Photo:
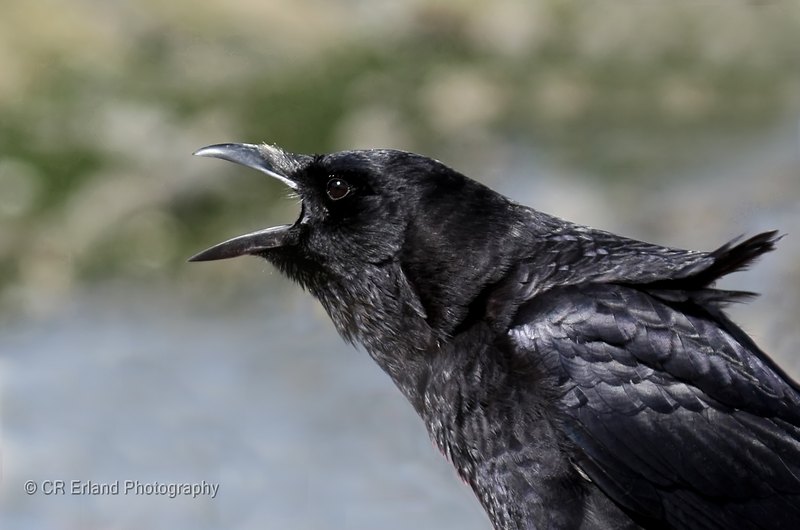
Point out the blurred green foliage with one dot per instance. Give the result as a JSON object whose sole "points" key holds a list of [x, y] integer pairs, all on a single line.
{"points": [[102, 103]]}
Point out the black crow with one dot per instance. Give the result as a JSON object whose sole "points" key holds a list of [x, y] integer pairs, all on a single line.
{"points": [[574, 378]]}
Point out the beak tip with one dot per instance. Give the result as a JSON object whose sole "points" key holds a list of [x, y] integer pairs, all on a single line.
{"points": [[223, 151], [217, 252], [200, 256]]}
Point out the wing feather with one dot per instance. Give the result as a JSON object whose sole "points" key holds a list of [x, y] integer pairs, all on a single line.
{"points": [[674, 417]]}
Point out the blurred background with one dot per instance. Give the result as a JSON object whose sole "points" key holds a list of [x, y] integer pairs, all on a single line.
{"points": [[676, 122]]}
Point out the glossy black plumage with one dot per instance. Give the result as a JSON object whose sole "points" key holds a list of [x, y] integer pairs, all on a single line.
{"points": [[574, 378]]}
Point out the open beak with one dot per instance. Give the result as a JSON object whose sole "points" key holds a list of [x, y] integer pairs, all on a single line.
{"points": [[275, 163]]}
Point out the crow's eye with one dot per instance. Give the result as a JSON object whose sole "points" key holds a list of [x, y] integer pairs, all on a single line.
{"points": [[338, 189]]}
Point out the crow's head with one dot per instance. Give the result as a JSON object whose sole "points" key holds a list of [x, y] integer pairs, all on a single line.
{"points": [[377, 226]]}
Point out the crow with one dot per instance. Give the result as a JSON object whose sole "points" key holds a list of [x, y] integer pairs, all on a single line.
{"points": [[573, 377]]}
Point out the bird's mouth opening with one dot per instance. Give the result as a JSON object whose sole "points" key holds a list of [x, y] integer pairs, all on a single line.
{"points": [[275, 163]]}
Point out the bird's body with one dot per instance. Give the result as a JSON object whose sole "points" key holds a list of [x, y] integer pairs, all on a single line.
{"points": [[574, 378]]}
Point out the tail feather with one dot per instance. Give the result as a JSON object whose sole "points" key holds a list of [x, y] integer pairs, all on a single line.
{"points": [[734, 256]]}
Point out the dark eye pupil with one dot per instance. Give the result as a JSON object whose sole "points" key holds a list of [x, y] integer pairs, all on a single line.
{"points": [[338, 189]]}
